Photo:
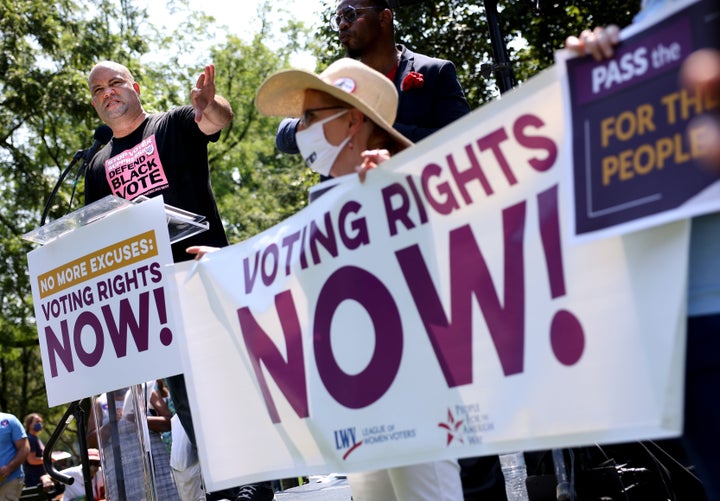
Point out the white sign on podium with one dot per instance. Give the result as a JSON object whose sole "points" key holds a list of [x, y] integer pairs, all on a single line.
{"points": [[102, 302]]}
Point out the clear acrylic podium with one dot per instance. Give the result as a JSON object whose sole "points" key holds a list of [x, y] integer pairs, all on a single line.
{"points": [[181, 223], [124, 441], [134, 459]]}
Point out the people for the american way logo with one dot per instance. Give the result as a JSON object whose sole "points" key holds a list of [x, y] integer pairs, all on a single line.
{"points": [[466, 423], [452, 428]]}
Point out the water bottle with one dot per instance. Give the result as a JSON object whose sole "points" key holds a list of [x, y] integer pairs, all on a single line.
{"points": [[515, 473]]}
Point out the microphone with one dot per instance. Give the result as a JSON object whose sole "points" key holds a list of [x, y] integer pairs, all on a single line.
{"points": [[103, 134]]}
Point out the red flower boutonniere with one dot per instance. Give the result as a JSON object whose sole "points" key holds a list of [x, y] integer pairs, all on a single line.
{"points": [[413, 80]]}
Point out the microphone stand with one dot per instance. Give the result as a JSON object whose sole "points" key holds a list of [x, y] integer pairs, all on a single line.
{"points": [[79, 173], [78, 155]]}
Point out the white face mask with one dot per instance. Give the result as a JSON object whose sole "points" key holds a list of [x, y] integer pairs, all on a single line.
{"points": [[318, 153]]}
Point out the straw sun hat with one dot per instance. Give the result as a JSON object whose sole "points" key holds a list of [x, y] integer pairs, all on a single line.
{"points": [[348, 80]]}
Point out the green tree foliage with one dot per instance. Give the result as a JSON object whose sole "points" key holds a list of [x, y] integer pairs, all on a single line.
{"points": [[256, 186], [546, 27], [458, 30]]}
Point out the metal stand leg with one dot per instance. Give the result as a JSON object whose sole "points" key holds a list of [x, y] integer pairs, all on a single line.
{"points": [[74, 411]]}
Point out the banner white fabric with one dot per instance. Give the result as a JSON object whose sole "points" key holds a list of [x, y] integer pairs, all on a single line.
{"points": [[434, 311], [103, 316]]}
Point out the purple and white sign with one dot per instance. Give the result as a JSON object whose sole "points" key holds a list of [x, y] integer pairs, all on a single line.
{"points": [[634, 141]]}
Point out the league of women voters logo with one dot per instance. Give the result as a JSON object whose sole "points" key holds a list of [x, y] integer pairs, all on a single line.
{"points": [[348, 440], [466, 424]]}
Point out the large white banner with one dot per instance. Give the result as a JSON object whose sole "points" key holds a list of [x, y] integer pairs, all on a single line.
{"points": [[102, 310], [435, 311]]}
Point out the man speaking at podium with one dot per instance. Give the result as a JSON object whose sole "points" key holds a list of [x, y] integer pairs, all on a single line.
{"points": [[159, 154]]}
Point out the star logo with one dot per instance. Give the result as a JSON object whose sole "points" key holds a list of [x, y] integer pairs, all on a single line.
{"points": [[452, 428]]}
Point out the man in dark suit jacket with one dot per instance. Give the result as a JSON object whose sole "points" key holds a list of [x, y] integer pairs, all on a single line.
{"points": [[430, 96]]}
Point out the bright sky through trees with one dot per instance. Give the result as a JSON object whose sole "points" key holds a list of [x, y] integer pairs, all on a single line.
{"points": [[241, 18]]}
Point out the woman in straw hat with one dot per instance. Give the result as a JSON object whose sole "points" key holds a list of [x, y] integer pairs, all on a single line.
{"points": [[347, 112]]}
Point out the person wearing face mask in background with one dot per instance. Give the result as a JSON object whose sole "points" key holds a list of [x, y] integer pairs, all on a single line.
{"points": [[33, 466]]}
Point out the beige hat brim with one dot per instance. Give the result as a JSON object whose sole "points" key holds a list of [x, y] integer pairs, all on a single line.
{"points": [[283, 95]]}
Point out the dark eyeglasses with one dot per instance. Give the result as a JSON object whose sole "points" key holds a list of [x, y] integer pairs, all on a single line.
{"points": [[308, 116], [350, 15]]}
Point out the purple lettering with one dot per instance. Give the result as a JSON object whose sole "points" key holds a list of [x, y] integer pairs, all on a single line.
{"points": [[358, 390], [138, 327], [290, 375], [474, 172], [535, 142], [492, 142], [288, 243], [269, 272], [326, 240], [470, 276], [450, 203], [91, 358], [57, 348], [250, 276], [399, 213], [359, 227], [416, 195]]}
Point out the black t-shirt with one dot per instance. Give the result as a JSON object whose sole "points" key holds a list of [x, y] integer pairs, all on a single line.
{"points": [[166, 155]]}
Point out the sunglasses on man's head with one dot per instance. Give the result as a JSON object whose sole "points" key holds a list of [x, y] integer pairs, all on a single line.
{"points": [[349, 14]]}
